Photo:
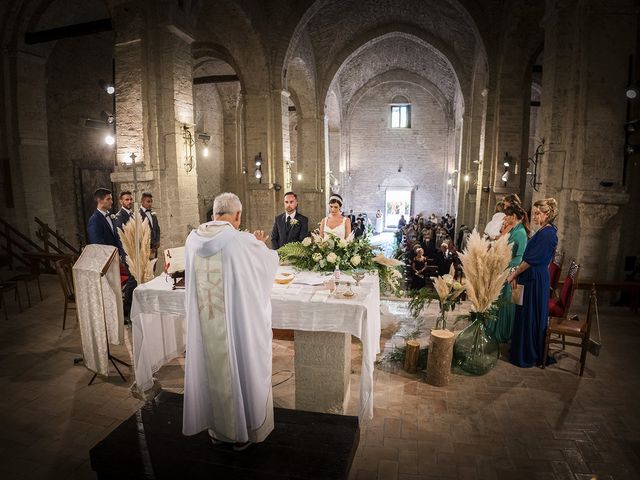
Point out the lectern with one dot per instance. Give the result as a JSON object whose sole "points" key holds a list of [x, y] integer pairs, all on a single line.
{"points": [[96, 276]]}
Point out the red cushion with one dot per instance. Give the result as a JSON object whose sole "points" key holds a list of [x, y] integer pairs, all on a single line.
{"points": [[555, 308], [554, 275], [566, 294]]}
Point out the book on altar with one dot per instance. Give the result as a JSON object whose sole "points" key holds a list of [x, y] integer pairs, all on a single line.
{"points": [[174, 260]]}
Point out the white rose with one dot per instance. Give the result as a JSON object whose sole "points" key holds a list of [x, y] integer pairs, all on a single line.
{"points": [[307, 241], [332, 257], [331, 243], [343, 242], [448, 278], [355, 260], [322, 263], [316, 257]]}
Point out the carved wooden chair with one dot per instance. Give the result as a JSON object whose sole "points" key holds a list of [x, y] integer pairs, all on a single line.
{"points": [[555, 268], [64, 269], [575, 327]]}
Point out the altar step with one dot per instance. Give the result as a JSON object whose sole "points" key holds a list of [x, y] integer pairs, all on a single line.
{"points": [[150, 445]]}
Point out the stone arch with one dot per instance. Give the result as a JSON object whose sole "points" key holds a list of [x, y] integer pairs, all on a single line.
{"points": [[365, 39], [403, 76]]}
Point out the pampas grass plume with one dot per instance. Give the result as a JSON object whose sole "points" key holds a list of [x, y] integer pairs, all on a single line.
{"points": [[139, 265], [485, 269]]}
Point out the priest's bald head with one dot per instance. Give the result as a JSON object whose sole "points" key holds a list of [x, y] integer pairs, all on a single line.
{"points": [[228, 208]]}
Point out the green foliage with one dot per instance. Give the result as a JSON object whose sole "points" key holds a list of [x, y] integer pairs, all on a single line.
{"points": [[420, 299], [323, 255]]}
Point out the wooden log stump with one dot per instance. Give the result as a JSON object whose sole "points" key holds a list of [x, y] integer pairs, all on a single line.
{"points": [[439, 359], [412, 353]]}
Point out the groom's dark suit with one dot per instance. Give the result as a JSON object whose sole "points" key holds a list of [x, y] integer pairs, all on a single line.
{"points": [[99, 231], [282, 233]]}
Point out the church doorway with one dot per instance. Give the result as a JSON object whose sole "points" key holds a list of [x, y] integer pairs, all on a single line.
{"points": [[398, 202]]}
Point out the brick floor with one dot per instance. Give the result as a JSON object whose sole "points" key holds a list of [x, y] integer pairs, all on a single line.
{"points": [[509, 424]]}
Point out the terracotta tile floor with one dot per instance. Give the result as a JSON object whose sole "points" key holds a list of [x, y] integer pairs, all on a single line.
{"points": [[511, 423]]}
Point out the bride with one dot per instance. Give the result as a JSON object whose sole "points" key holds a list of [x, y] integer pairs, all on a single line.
{"points": [[335, 223]]}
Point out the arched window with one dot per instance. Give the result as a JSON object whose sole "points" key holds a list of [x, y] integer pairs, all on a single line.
{"points": [[400, 112]]}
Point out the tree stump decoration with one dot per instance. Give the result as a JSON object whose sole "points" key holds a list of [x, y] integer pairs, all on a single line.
{"points": [[439, 359], [411, 356]]}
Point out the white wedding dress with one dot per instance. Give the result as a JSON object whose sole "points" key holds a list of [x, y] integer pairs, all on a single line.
{"points": [[340, 231]]}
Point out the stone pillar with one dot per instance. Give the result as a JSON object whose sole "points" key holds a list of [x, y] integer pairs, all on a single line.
{"points": [[30, 157], [323, 370], [587, 48], [311, 163], [259, 131], [598, 233]]}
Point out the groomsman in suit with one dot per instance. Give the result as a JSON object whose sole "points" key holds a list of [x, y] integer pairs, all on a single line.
{"points": [[126, 209], [101, 226], [145, 211], [289, 226]]}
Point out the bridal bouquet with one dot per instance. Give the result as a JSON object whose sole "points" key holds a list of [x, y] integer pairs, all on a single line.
{"points": [[323, 255]]}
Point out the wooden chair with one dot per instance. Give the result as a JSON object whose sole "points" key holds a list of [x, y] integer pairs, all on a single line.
{"points": [[572, 327], [65, 275], [26, 278], [559, 308], [7, 287], [555, 268]]}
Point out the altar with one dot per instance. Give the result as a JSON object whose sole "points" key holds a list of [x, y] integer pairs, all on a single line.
{"points": [[159, 330]]}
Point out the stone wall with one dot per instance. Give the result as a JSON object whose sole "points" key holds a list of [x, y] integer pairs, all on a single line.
{"points": [[74, 70], [377, 151]]}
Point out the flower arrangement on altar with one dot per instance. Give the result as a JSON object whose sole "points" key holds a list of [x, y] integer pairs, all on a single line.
{"points": [[323, 255]]}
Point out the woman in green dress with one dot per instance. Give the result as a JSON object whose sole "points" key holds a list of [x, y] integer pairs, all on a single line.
{"points": [[514, 226]]}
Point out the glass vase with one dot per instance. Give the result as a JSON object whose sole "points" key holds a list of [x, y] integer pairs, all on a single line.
{"points": [[441, 322], [476, 351]]}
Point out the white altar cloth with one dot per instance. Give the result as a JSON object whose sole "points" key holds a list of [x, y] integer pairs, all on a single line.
{"points": [[159, 328]]}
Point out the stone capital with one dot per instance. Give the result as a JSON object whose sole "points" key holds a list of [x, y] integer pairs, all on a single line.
{"points": [[593, 215], [599, 197]]}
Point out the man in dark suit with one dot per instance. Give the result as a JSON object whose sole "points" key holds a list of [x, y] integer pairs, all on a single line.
{"points": [[146, 203], [101, 227], [126, 209], [289, 226], [102, 230]]}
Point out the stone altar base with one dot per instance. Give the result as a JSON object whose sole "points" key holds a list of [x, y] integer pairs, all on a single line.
{"points": [[150, 445], [323, 370]]}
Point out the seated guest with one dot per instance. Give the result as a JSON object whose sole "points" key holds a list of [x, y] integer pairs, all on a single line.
{"points": [[418, 267], [443, 258], [402, 222]]}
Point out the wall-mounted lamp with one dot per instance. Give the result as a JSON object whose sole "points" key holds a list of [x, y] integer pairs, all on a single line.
{"points": [[258, 170], [187, 138], [107, 87], [205, 137], [632, 91], [534, 161], [466, 177], [299, 176]]}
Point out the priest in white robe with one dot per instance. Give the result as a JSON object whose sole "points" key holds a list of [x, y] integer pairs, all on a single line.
{"points": [[228, 278]]}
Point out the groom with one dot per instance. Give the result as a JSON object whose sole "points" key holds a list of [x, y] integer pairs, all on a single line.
{"points": [[289, 226]]}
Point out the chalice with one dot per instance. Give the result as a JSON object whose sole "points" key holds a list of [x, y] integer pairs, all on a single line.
{"points": [[358, 274]]}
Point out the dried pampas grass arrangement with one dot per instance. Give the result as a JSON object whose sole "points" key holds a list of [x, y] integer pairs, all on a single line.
{"points": [[485, 270], [138, 261]]}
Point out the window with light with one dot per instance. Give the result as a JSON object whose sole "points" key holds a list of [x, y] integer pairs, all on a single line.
{"points": [[400, 112]]}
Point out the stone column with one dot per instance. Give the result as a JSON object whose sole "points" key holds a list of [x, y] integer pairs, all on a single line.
{"points": [[31, 179], [311, 162], [587, 48], [598, 233], [259, 133]]}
